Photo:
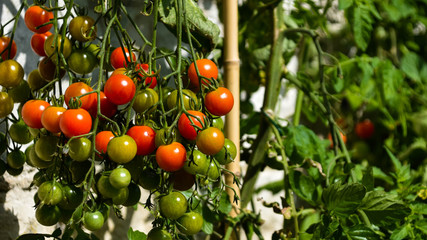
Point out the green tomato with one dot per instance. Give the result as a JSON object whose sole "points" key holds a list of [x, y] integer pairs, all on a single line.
{"points": [[16, 159], [6, 104], [122, 149], [48, 215], [35, 160], [105, 188], [20, 93], [145, 100], [190, 100], [20, 133], [93, 220], [190, 223], [72, 197], [82, 61], [158, 234], [173, 205], [50, 193], [121, 198], [149, 179], [46, 147], [228, 153], [214, 171], [196, 163], [80, 149], [120, 178]]}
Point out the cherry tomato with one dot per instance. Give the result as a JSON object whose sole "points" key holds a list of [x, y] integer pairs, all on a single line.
{"points": [[72, 197], [82, 28], [365, 129], [213, 170], [118, 58], [4, 51], [197, 163], [102, 139], [35, 16], [144, 137], [48, 215], [120, 89], [37, 43], [20, 133], [158, 234], [50, 118], [171, 157], [122, 149], [35, 160], [32, 112], [190, 100], [16, 159], [82, 61], [46, 147], [173, 205], [77, 89], [75, 122], [62, 45], [186, 128], [11, 73], [218, 123], [105, 188], [6, 104], [20, 93], [228, 153], [134, 195], [50, 193], [207, 69], [210, 141], [121, 198], [149, 179], [48, 70], [80, 149], [120, 178], [93, 220], [343, 137], [35, 80], [108, 108], [190, 223], [145, 100], [142, 68], [219, 102]]}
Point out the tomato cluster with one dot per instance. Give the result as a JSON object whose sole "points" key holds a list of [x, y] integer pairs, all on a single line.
{"points": [[129, 122]]}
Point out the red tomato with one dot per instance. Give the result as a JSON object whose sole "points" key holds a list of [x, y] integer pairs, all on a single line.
{"points": [[151, 82], [144, 137], [210, 141], [32, 113], [108, 108], [50, 118], [365, 129], [37, 42], [219, 102], [120, 89], [118, 58], [207, 69], [36, 16], [75, 122], [186, 128], [102, 139], [4, 44], [77, 89], [171, 157], [344, 138]]}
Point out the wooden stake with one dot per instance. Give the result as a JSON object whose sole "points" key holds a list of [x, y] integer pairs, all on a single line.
{"points": [[232, 80]]}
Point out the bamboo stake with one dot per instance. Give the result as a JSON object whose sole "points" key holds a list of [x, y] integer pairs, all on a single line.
{"points": [[231, 79]]}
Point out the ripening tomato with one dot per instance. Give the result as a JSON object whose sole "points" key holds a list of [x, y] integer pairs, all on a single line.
{"points": [[5, 51], [35, 16], [190, 99], [120, 56], [173, 205], [145, 100], [75, 122], [142, 68], [62, 45], [82, 28], [6, 104], [122, 149], [207, 69], [120, 89], [144, 137], [32, 112], [77, 89], [365, 129], [343, 137], [37, 42], [219, 102], [186, 128], [11, 73], [102, 139], [108, 108], [50, 118], [48, 70], [171, 157], [210, 141]]}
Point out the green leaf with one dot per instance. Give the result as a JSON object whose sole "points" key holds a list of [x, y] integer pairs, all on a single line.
{"points": [[224, 204], [368, 179], [273, 187], [250, 125], [344, 4], [403, 172], [422, 225], [204, 31], [400, 232], [410, 66], [136, 235], [209, 218], [362, 26], [361, 232], [32, 236], [343, 200], [303, 186], [419, 208], [383, 209]]}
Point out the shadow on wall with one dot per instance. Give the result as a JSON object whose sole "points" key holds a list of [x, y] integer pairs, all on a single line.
{"points": [[9, 224]]}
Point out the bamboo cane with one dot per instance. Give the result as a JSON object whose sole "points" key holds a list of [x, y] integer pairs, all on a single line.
{"points": [[231, 79]]}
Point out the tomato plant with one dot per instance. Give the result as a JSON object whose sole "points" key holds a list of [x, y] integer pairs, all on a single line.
{"points": [[36, 19], [7, 49], [119, 89], [171, 157]]}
